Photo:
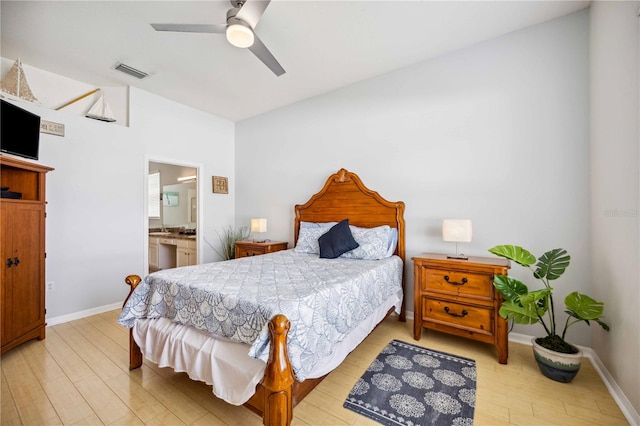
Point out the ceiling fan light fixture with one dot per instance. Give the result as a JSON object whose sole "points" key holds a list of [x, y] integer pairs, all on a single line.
{"points": [[240, 35]]}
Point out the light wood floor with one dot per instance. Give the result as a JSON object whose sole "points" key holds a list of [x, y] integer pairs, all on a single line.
{"points": [[79, 375]]}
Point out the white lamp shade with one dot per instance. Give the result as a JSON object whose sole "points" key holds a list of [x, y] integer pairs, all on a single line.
{"points": [[259, 225], [458, 230]]}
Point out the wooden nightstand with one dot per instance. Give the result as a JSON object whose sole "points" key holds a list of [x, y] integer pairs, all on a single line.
{"points": [[252, 248], [457, 297]]}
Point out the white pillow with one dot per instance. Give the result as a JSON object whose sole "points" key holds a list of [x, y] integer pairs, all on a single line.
{"points": [[375, 243], [393, 242], [326, 225], [309, 234]]}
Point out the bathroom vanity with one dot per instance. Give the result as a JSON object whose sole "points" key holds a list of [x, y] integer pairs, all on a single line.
{"points": [[171, 250]]}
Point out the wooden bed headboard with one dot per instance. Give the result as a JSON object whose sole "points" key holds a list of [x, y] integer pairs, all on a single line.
{"points": [[344, 196]]}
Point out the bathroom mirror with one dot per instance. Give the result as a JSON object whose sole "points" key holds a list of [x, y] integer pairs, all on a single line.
{"points": [[178, 198], [177, 202]]}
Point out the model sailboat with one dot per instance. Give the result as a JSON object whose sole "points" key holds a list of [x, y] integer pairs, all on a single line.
{"points": [[101, 111], [14, 84]]}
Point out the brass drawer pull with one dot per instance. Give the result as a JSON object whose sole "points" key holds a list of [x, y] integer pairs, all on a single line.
{"points": [[453, 314], [463, 282]]}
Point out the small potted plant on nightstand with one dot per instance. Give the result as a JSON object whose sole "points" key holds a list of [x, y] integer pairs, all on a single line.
{"points": [[557, 359], [228, 240]]}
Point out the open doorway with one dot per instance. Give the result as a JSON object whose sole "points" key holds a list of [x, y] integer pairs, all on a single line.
{"points": [[172, 205]]}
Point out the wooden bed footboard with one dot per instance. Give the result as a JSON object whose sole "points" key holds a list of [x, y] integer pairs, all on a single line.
{"points": [[274, 398]]}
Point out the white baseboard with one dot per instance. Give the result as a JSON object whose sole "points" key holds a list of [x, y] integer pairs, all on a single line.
{"points": [[82, 314], [617, 394], [627, 409]]}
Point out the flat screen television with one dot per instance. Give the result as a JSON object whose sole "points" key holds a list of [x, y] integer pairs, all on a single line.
{"points": [[19, 131]]}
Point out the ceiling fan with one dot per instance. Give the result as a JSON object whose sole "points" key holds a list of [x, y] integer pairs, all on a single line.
{"points": [[242, 19]]}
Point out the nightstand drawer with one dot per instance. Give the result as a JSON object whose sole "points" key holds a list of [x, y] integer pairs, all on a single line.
{"points": [[468, 317], [458, 283], [255, 248], [251, 251]]}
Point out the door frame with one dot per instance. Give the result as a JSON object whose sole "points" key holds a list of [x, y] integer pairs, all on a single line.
{"points": [[200, 192]]}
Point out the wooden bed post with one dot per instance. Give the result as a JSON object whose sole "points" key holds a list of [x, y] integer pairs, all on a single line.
{"points": [[135, 355], [278, 377]]}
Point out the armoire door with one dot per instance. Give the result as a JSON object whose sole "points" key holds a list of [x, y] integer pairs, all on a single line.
{"points": [[26, 246], [5, 284]]}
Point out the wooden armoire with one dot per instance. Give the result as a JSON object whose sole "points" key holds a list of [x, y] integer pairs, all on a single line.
{"points": [[22, 235]]}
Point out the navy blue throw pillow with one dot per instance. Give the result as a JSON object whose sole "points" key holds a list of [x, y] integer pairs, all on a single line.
{"points": [[336, 241]]}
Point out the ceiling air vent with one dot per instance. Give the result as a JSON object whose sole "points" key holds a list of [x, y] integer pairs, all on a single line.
{"points": [[130, 70]]}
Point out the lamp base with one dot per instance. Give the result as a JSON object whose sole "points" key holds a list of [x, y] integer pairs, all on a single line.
{"points": [[457, 256]]}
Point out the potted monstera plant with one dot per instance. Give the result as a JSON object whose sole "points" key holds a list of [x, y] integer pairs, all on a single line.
{"points": [[557, 359]]}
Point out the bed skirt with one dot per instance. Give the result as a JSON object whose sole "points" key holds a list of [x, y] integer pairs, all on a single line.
{"points": [[224, 364]]}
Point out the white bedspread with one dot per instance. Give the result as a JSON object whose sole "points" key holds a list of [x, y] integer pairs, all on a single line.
{"points": [[225, 365], [325, 300]]}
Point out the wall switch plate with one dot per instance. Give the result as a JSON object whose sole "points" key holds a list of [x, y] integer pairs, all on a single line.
{"points": [[51, 286]]}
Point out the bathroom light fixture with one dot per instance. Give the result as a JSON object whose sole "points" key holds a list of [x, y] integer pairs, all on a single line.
{"points": [[459, 231], [240, 34], [259, 226], [183, 178]]}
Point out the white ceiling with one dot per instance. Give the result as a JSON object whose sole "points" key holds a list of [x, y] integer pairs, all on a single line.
{"points": [[323, 45]]}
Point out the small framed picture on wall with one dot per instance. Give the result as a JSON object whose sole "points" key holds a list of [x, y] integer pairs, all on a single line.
{"points": [[220, 185]]}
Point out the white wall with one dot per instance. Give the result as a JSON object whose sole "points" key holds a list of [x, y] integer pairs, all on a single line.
{"points": [[95, 213], [54, 91], [171, 131], [615, 187], [496, 133]]}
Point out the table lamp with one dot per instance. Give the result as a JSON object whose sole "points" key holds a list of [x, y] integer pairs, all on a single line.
{"points": [[259, 226], [459, 231]]}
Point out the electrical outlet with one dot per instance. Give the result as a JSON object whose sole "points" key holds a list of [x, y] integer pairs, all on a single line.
{"points": [[51, 286]]}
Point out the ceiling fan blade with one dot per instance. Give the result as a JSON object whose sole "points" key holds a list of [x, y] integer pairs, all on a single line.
{"points": [[191, 28], [252, 11], [260, 50]]}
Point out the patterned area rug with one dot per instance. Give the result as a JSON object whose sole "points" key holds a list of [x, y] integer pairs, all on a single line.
{"points": [[412, 385]]}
